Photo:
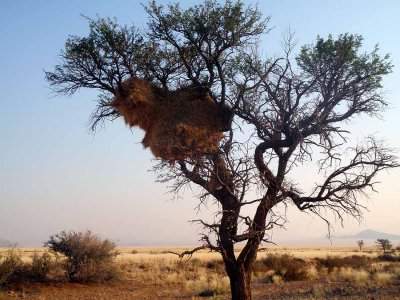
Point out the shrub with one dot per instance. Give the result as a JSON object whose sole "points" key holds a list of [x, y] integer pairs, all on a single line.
{"points": [[333, 262], [287, 266], [12, 268], [207, 293], [215, 265], [88, 258], [312, 272], [41, 266], [388, 257]]}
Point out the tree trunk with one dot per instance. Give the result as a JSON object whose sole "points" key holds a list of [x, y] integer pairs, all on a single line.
{"points": [[240, 284]]}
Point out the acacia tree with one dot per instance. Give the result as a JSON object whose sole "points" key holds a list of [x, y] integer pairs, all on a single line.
{"points": [[286, 113], [384, 244], [360, 244]]}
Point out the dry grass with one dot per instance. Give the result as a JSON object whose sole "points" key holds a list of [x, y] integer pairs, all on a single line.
{"points": [[154, 273], [359, 277], [331, 263], [382, 278], [276, 279], [144, 253], [209, 283]]}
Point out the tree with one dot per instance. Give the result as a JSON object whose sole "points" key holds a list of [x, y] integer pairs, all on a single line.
{"points": [[383, 244], [286, 113], [360, 244]]}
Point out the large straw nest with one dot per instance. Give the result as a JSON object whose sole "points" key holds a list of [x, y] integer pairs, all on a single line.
{"points": [[177, 124]]}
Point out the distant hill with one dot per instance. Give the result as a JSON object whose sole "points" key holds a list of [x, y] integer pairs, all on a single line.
{"points": [[371, 234], [4, 243]]}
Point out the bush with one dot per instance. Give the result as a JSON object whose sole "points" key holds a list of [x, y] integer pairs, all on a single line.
{"points": [[287, 266], [216, 265], [336, 262], [41, 266], [388, 257], [12, 268], [88, 258], [207, 293]]}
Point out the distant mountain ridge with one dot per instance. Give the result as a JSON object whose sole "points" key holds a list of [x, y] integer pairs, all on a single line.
{"points": [[4, 243], [371, 234]]}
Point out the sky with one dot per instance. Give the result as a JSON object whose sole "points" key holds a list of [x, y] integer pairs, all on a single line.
{"points": [[56, 175]]}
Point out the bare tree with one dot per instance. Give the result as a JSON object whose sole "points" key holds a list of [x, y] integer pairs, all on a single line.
{"points": [[384, 244], [286, 113], [360, 244]]}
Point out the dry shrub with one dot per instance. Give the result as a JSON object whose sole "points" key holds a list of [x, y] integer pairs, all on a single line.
{"points": [[335, 262], [287, 266], [388, 257], [260, 267], [12, 268], [312, 272], [178, 124], [88, 258], [216, 265], [41, 266]]}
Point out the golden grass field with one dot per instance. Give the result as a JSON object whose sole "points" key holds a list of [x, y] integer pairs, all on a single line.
{"points": [[154, 273], [149, 253]]}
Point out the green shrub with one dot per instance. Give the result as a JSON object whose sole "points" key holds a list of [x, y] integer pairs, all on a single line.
{"points": [[88, 258]]}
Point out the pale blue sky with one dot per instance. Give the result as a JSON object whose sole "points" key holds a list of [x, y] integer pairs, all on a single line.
{"points": [[55, 175]]}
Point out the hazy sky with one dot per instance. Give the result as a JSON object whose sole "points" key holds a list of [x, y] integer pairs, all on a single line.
{"points": [[55, 175]]}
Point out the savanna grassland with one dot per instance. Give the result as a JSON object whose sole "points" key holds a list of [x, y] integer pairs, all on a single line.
{"points": [[280, 273]]}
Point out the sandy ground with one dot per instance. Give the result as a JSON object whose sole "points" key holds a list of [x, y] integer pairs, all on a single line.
{"points": [[142, 279]]}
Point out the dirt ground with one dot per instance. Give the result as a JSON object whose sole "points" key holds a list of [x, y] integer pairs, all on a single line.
{"points": [[317, 289]]}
